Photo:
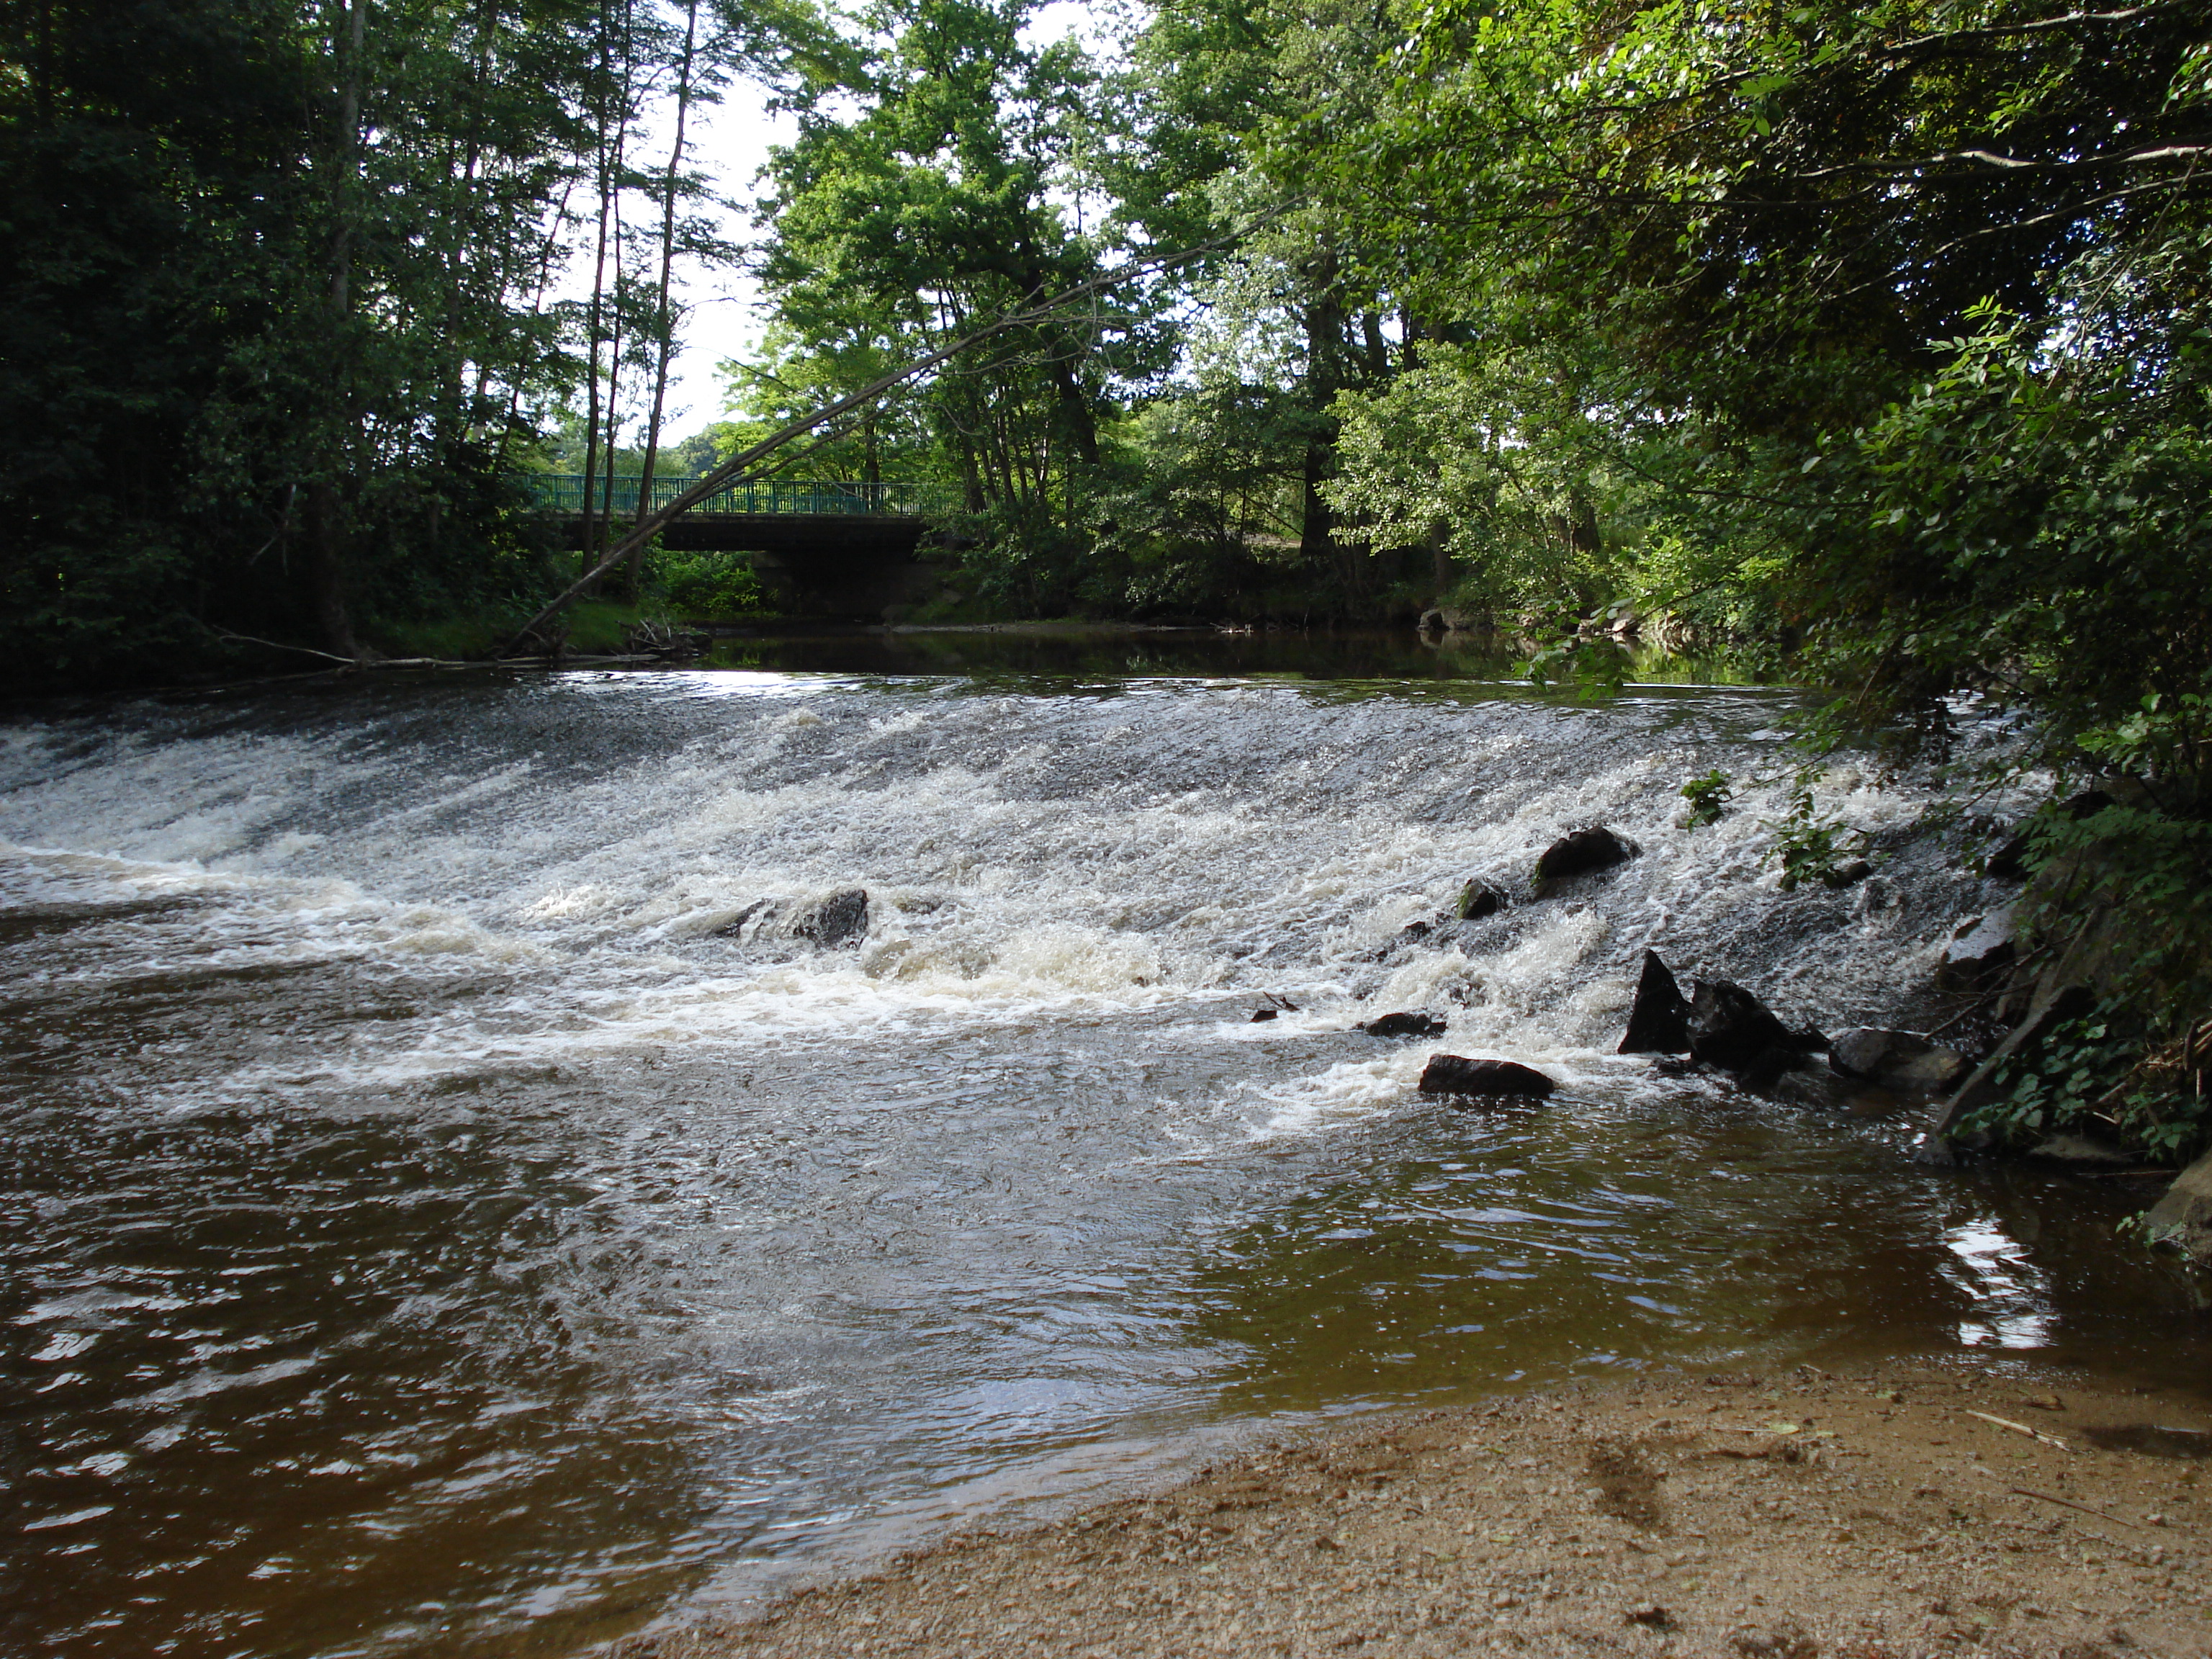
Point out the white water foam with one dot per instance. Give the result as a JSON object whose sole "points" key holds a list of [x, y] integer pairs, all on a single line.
{"points": [[1025, 857]]}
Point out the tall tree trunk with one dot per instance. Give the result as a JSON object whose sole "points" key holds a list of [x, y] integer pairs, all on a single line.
{"points": [[603, 140], [663, 323], [1077, 420], [614, 330], [453, 418], [546, 250], [1324, 321], [327, 528]]}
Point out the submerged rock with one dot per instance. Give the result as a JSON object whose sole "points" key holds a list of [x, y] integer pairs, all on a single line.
{"points": [[1733, 1030], [735, 927], [1478, 899], [840, 919], [1659, 1020], [1404, 1025], [2182, 1218], [1451, 1074], [1580, 851], [1259, 1014], [2094, 1151], [1895, 1060]]}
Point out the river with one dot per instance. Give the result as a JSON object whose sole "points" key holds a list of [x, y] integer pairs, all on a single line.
{"points": [[426, 1227]]}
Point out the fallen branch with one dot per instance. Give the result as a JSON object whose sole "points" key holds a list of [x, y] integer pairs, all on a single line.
{"points": [[348, 662], [2022, 1428], [2068, 1503], [304, 650]]}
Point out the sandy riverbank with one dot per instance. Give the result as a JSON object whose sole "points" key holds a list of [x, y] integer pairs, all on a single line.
{"points": [[1786, 1516]]}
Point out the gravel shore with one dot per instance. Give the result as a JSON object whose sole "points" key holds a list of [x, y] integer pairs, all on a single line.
{"points": [[1872, 1515]]}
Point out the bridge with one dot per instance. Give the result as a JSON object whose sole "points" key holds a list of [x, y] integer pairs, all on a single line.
{"points": [[784, 518], [828, 550]]}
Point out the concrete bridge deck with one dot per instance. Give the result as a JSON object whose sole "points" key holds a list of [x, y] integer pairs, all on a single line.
{"points": [[784, 518], [839, 549]]}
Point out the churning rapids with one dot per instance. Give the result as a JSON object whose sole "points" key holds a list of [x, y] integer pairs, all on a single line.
{"points": [[423, 1229]]}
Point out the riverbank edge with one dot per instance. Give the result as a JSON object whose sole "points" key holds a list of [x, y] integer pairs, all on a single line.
{"points": [[1886, 1512]]}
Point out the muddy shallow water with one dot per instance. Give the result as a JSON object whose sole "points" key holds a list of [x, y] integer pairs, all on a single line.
{"points": [[425, 1229]]}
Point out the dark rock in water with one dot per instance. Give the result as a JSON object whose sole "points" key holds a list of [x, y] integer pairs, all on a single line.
{"points": [[1478, 899], [841, 917], [1659, 1021], [1449, 1074], [1580, 851], [1764, 1070], [1404, 1025], [1732, 1029], [1978, 954], [1895, 1060], [735, 927], [1410, 934], [1259, 1014], [2009, 861], [1847, 875]]}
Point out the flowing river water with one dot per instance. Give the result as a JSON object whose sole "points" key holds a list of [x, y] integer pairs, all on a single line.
{"points": [[426, 1227]]}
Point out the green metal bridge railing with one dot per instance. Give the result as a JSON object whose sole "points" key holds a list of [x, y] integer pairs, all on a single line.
{"points": [[566, 492]]}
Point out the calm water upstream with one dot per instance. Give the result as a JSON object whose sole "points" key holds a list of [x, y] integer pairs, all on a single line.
{"points": [[424, 1229]]}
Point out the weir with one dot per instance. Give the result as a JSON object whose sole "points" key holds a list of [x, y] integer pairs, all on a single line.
{"points": [[462, 1194]]}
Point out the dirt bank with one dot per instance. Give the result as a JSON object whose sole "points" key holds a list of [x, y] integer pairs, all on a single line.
{"points": [[1861, 1516]]}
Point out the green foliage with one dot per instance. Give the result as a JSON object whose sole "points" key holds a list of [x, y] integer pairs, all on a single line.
{"points": [[275, 312], [1708, 797], [1492, 458], [1811, 846], [1593, 667], [709, 587], [2091, 1073]]}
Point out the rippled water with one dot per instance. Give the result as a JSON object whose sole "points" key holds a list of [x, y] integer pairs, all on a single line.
{"points": [[424, 1229]]}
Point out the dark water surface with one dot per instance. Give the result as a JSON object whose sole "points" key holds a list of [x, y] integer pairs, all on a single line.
{"points": [[425, 1229]]}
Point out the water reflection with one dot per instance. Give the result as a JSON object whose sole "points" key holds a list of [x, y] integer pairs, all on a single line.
{"points": [[2011, 1300], [1588, 1236]]}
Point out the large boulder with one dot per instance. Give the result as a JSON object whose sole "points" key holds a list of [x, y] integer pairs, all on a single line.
{"points": [[2182, 1218], [1451, 1074], [1449, 618], [1978, 954], [1731, 1028], [1659, 1020], [1579, 852], [1902, 1060], [840, 919]]}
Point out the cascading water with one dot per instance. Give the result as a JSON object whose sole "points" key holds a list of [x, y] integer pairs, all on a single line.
{"points": [[449, 1207]]}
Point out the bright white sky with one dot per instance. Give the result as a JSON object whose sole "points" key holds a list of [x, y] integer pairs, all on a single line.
{"points": [[731, 144]]}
